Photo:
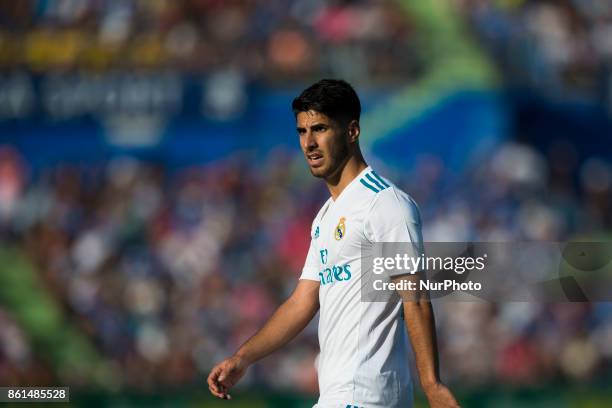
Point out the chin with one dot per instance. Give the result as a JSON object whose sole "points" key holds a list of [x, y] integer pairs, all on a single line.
{"points": [[323, 172], [318, 172]]}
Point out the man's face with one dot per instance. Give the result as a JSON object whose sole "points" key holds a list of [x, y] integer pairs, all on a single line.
{"points": [[324, 142]]}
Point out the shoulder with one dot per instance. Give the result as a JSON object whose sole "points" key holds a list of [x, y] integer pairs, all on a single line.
{"points": [[393, 204], [384, 199], [371, 184], [392, 215]]}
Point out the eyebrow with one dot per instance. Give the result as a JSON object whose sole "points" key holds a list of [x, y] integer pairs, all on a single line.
{"points": [[312, 126]]}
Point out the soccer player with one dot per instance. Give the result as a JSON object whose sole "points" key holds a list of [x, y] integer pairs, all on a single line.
{"points": [[363, 360]]}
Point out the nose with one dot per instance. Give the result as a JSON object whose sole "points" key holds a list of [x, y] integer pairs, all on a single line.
{"points": [[309, 141]]}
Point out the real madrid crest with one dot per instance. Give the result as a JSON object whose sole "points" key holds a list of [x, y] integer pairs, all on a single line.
{"points": [[340, 229]]}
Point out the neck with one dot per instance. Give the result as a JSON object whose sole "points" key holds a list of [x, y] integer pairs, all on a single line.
{"points": [[346, 173]]}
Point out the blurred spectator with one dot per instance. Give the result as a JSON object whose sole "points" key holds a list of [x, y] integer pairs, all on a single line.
{"points": [[562, 47]]}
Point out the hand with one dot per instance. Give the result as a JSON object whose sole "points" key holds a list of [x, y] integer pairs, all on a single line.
{"points": [[439, 396], [225, 375]]}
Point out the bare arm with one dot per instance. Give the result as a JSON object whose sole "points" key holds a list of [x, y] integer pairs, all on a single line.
{"points": [[286, 322], [421, 326]]}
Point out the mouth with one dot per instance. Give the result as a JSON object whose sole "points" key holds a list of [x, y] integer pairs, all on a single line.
{"points": [[314, 159]]}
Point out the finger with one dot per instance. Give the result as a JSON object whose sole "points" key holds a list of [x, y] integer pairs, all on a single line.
{"points": [[223, 388], [213, 380], [214, 374], [216, 393], [214, 387], [225, 373]]}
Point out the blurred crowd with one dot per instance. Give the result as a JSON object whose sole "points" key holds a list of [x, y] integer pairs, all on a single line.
{"points": [[562, 46], [272, 40], [168, 271]]}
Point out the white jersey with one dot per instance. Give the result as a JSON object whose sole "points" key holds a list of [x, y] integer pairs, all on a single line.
{"points": [[364, 345]]}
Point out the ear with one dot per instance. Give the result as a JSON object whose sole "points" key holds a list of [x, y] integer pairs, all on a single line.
{"points": [[353, 131]]}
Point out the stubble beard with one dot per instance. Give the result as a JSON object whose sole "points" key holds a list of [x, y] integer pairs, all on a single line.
{"points": [[331, 171]]}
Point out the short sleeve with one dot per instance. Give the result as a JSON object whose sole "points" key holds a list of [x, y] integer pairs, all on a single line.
{"points": [[311, 266], [394, 218]]}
